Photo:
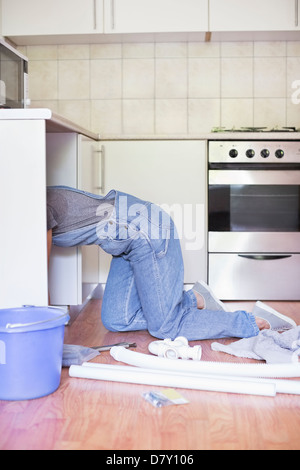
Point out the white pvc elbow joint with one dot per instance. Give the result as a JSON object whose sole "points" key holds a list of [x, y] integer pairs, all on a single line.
{"points": [[177, 349]]}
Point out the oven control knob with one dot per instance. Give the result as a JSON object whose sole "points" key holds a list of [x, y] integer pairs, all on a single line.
{"points": [[250, 153], [279, 153], [265, 153], [233, 153]]}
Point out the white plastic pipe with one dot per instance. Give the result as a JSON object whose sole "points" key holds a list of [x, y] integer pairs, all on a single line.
{"points": [[291, 387], [204, 367], [162, 378]]}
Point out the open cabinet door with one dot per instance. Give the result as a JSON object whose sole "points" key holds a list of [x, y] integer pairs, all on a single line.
{"points": [[65, 273]]}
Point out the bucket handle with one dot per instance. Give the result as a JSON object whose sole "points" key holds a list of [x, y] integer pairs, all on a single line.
{"points": [[25, 325]]}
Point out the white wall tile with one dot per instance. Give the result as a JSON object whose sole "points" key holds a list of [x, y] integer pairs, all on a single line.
{"points": [[237, 113], [293, 49], [237, 77], [270, 49], [171, 117], [270, 112], [204, 49], [168, 88], [269, 77], [106, 79], [293, 114], [138, 78], [171, 78], [204, 78], [237, 49], [203, 115], [74, 79], [76, 110], [41, 52], [138, 117], [43, 80], [140, 50], [293, 75], [106, 51], [170, 49], [106, 116], [78, 51]]}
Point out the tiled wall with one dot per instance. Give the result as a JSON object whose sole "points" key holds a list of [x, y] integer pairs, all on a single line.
{"points": [[168, 88]]}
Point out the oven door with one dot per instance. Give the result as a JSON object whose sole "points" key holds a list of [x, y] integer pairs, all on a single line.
{"points": [[254, 234], [254, 211]]}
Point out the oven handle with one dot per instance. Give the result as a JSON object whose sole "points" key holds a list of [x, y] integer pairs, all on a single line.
{"points": [[231, 177], [254, 166], [265, 257]]}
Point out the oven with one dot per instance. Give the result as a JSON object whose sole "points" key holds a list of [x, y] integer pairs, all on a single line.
{"points": [[254, 220]]}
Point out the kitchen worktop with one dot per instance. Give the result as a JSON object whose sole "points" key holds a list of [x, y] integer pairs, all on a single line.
{"points": [[208, 136], [54, 122], [57, 123]]}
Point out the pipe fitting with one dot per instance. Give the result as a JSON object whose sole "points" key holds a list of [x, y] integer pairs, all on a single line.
{"points": [[177, 349]]}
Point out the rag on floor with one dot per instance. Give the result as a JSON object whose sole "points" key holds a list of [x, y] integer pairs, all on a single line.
{"points": [[270, 346]]}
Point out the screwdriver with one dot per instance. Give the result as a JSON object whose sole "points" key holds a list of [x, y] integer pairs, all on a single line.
{"points": [[108, 347]]}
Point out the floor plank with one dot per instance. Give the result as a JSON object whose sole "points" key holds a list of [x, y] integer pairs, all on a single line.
{"points": [[86, 414]]}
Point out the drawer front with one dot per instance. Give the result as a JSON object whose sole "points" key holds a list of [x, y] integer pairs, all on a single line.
{"points": [[254, 276]]}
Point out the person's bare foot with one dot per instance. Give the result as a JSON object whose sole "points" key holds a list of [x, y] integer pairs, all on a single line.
{"points": [[262, 324], [200, 300]]}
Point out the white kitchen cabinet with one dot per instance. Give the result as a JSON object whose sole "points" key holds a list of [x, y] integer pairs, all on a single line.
{"points": [[23, 243], [254, 15], [155, 16], [36, 148], [55, 17], [172, 174]]}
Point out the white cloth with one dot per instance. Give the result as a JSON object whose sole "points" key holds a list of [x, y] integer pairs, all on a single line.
{"points": [[268, 345]]}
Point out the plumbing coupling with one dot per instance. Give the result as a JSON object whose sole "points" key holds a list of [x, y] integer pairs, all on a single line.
{"points": [[177, 349]]}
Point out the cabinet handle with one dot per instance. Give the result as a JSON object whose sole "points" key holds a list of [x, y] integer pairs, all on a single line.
{"points": [[112, 14], [95, 14], [296, 13], [99, 172], [265, 257]]}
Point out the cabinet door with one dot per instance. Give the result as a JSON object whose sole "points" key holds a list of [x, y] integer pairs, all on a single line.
{"points": [[89, 156], [154, 16], [23, 246], [173, 175], [39, 17], [65, 273], [257, 15]]}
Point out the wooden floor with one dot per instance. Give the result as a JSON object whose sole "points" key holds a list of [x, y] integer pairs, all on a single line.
{"points": [[87, 414]]}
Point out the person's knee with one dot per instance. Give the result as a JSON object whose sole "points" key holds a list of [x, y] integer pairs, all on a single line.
{"points": [[111, 323], [108, 322]]}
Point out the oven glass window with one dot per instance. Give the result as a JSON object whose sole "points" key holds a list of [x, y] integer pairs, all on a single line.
{"points": [[254, 208]]}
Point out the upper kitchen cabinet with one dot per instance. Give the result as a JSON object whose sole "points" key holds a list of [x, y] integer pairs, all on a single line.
{"points": [[36, 18], [155, 16], [254, 15]]}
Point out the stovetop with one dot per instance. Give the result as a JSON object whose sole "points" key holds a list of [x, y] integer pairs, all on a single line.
{"points": [[256, 129]]}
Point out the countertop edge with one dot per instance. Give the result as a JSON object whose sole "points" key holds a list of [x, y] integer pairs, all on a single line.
{"points": [[54, 122], [58, 122], [207, 136]]}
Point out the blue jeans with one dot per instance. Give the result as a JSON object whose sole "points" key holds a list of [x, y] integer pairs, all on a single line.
{"points": [[144, 289]]}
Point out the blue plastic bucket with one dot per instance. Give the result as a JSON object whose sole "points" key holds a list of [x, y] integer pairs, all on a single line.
{"points": [[31, 348]]}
